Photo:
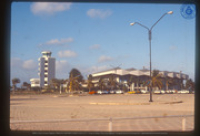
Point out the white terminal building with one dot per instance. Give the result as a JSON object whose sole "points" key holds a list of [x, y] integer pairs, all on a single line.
{"points": [[46, 70], [123, 75]]}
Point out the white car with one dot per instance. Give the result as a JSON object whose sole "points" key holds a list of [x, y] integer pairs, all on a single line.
{"points": [[102, 92], [112, 91], [183, 91], [173, 91], [105, 92], [158, 91], [144, 91], [99, 92], [170, 91], [119, 92], [162, 91]]}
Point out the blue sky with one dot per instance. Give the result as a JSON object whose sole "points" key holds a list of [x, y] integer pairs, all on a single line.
{"points": [[97, 36]]}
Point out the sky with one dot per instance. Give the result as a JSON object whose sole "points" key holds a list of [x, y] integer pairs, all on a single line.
{"points": [[93, 37]]}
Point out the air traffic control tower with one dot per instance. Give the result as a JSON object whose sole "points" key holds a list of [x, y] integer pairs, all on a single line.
{"points": [[46, 68]]}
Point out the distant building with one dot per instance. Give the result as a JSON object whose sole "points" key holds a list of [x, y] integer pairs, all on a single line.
{"points": [[35, 82], [46, 68], [122, 76]]}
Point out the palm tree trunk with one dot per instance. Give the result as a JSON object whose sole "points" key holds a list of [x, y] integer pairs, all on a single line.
{"points": [[111, 87], [60, 89], [166, 87], [14, 87]]}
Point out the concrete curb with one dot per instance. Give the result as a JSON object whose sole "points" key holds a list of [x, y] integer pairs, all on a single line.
{"points": [[152, 103]]}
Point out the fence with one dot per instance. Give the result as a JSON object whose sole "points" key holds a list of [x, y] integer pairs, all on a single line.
{"points": [[152, 123]]}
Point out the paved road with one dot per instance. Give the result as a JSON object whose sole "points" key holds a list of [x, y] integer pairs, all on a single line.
{"points": [[51, 112]]}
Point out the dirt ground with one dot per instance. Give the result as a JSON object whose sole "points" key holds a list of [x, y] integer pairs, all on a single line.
{"points": [[109, 112]]}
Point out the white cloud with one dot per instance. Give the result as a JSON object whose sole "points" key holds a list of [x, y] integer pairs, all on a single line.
{"points": [[63, 41], [104, 58], [29, 64], [49, 8], [98, 13], [53, 41], [95, 46], [66, 53]]}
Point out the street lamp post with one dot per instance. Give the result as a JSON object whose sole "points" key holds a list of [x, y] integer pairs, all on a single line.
{"points": [[149, 33]]}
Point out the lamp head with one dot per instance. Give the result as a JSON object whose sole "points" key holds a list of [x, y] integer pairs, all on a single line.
{"points": [[132, 23], [170, 12]]}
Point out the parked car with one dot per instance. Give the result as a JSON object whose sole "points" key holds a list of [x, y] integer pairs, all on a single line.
{"points": [[134, 92], [112, 91], [157, 92], [99, 92], [183, 91], [144, 91], [105, 92], [168, 91], [119, 92], [174, 91], [162, 91], [102, 92], [92, 92], [131, 92], [138, 92]]}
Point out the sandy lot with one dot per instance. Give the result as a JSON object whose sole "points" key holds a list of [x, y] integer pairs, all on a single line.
{"points": [[92, 112]]}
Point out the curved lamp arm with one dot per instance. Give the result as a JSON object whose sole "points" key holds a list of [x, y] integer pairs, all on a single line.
{"points": [[140, 25], [170, 12]]}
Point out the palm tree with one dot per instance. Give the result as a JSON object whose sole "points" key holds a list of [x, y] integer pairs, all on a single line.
{"points": [[27, 85], [14, 82], [134, 79], [57, 83], [168, 81], [101, 83], [54, 82], [75, 78], [156, 80], [138, 81], [174, 82], [190, 85], [73, 83], [47, 89], [130, 81], [89, 82], [112, 82], [76, 73]]}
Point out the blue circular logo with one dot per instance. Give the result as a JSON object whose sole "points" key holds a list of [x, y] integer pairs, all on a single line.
{"points": [[188, 11]]}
